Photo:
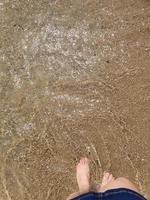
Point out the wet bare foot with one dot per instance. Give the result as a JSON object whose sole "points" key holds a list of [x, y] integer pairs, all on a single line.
{"points": [[83, 175], [107, 178]]}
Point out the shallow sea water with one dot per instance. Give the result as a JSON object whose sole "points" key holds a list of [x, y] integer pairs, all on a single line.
{"points": [[74, 81]]}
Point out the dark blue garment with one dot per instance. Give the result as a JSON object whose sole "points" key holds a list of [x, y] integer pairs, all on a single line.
{"points": [[113, 194]]}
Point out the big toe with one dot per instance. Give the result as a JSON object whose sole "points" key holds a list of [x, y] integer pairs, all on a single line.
{"points": [[105, 178]]}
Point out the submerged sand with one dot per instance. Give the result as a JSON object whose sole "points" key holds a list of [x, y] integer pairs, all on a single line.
{"points": [[74, 81]]}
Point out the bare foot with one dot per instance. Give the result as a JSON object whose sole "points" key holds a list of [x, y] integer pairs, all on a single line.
{"points": [[83, 175], [107, 178]]}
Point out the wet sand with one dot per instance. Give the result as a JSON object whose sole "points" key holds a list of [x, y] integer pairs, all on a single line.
{"points": [[74, 81]]}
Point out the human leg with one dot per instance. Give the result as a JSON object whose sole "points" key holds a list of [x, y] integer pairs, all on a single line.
{"points": [[109, 182], [83, 176]]}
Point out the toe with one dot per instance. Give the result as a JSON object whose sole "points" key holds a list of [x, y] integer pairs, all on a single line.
{"points": [[105, 178], [110, 177], [106, 175], [78, 165], [86, 160], [113, 178], [82, 160]]}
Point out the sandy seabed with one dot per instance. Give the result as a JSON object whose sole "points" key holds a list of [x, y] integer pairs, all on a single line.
{"points": [[74, 81]]}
